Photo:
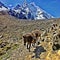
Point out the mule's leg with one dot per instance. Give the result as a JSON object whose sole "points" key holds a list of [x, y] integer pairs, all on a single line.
{"points": [[33, 44], [24, 42], [38, 40], [29, 46]]}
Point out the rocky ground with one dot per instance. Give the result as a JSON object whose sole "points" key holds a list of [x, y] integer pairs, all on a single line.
{"points": [[11, 42]]}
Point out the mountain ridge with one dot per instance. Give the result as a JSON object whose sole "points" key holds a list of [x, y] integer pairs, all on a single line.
{"points": [[29, 11], [26, 11]]}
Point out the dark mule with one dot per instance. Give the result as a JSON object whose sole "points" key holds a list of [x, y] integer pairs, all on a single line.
{"points": [[37, 35], [29, 39]]}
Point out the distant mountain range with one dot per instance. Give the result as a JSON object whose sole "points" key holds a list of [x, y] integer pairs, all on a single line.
{"points": [[26, 11]]}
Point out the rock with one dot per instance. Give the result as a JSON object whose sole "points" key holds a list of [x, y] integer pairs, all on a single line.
{"points": [[38, 51]]}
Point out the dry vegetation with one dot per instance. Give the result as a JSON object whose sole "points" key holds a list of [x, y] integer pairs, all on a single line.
{"points": [[11, 42]]}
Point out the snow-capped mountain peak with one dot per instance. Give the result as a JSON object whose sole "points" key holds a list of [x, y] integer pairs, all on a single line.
{"points": [[29, 11], [3, 7], [17, 7]]}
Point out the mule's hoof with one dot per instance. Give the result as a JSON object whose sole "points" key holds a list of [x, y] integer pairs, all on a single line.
{"points": [[27, 48], [29, 51], [24, 44]]}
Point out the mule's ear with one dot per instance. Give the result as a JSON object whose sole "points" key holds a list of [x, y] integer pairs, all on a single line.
{"points": [[23, 36]]}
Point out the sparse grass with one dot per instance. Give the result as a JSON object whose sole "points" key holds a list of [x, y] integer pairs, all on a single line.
{"points": [[12, 30], [8, 53]]}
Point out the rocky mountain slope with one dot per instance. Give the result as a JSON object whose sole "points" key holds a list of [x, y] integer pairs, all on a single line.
{"points": [[11, 42]]}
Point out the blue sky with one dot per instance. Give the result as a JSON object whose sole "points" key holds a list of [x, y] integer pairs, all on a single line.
{"points": [[50, 6]]}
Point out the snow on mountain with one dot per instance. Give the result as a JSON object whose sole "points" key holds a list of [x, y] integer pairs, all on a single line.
{"points": [[3, 7], [21, 12], [40, 13], [29, 11], [17, 7], [26, 11]]}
